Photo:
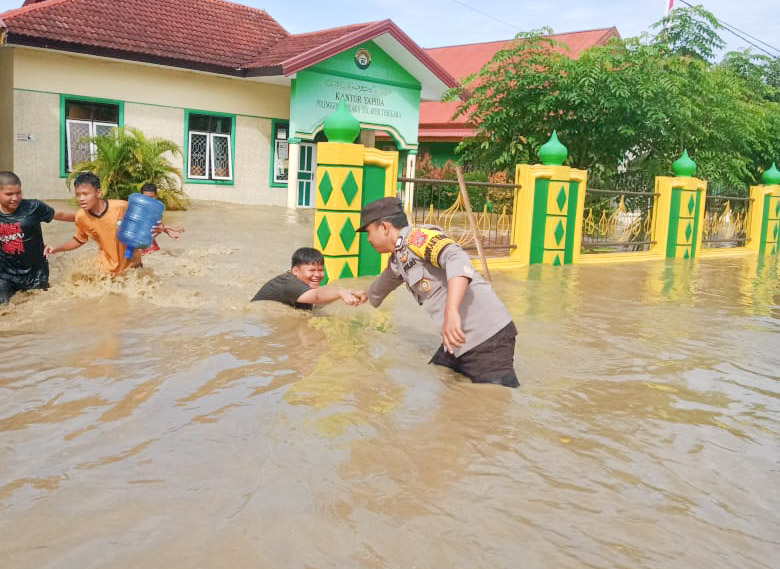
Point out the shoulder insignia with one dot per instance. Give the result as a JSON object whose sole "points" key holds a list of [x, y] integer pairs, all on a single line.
{"points": [[428, 244], [417, 237]]}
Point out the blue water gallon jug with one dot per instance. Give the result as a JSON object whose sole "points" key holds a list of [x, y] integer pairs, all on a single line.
{"points": [[142, 214]]}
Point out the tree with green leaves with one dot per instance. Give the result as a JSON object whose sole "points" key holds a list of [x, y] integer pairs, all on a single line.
{"points": [[627, 109], [126, 159]]}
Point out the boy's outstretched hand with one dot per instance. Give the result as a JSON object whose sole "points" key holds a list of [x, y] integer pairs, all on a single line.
{"points": [[353, 298]]}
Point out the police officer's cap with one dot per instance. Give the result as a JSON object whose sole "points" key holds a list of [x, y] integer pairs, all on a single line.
{"points": [[380, 209]]}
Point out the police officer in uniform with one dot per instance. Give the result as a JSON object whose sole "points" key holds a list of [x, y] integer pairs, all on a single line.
{"points": [[478, 335]]}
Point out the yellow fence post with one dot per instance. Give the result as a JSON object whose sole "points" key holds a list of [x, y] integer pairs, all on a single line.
{"points": [[548, 209], [764, 228], [348, 176], [678, 211]]}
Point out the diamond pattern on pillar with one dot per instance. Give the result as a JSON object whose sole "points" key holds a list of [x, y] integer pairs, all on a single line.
{"points": [[561, 199], [347, 234], [559, 233], [775, 231], [346, 272], [691, 204], [688, 231], [557, 261], [326, 187], [349, 188], [323, 233]]}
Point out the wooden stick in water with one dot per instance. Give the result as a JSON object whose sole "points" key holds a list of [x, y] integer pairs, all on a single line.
{"points": [[473, 221]]}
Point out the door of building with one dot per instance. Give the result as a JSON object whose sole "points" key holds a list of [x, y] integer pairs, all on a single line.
{"points": [[307, 172]]}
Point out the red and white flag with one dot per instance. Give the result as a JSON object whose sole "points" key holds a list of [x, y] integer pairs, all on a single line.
{"points": [[669, 5]]}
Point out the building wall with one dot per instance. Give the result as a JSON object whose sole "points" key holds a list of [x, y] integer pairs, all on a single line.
{"points": [[6, 109], [37, 160], [440, 152], [155, 100]]}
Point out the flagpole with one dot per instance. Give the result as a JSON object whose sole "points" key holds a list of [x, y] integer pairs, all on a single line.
{"points": [[668, 6]]}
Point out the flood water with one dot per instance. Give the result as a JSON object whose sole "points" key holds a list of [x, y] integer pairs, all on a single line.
{"points": [[163, 421]]}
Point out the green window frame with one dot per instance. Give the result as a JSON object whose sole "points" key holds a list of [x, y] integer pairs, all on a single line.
{"points": [[66, 123], [207, 169], [280, 136]]}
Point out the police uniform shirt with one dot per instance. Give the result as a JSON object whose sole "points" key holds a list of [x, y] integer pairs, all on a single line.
{"points": [[425, 259]]}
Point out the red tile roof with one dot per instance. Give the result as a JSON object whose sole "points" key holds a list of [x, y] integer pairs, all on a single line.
{"points": [[295, 45], [208, 33], [462, 60]]}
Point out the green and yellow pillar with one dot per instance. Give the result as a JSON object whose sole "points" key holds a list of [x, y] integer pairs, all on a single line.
{"points": [[548, 208], [764, 229], [348, 176], [679, 211]]}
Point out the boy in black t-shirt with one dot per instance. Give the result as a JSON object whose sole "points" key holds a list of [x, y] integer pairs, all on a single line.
{"points": [[22, 263], [300, 286]]}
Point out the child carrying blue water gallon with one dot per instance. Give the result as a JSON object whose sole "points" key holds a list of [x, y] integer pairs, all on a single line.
{"points": [[172, 231]]}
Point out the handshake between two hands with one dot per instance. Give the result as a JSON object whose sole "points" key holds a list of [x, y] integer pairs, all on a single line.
{"points": [[353, 297]]}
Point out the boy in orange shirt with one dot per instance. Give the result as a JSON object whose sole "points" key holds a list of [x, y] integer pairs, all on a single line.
{"points": [[99, 219]]}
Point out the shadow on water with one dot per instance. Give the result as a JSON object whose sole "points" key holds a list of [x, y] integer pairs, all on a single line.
{"points": [[161, 420]]}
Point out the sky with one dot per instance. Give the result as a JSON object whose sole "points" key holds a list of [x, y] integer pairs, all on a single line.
{"points": [[435, 23]]}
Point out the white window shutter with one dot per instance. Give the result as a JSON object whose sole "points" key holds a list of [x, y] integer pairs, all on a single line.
{"points": [[198, 155], [77, 150], [221, 161]]}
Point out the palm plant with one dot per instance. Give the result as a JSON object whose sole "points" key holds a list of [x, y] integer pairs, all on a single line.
{"points": [[125, 159]]}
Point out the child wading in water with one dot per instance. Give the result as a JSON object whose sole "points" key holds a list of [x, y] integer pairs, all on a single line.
{"points": [[172, 231], [23, 265], [99, 220], [300, 286]]}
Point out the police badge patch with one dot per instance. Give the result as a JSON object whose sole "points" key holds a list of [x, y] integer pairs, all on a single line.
{"points": [[425, 285], [417, 238]]}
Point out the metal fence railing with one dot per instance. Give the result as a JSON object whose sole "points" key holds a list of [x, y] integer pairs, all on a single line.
{"points": [[439, 202], [725, 221], [617, 221]]}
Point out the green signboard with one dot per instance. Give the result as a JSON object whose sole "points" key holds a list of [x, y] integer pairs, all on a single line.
{"points": [[377, 90]]}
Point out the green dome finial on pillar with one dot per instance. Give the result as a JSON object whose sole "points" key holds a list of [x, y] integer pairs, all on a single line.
{"points": [[341, 126], [684, 166], [771, 177], [552, 152]]}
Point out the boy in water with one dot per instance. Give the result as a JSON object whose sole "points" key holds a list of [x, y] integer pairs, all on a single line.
{"points": [[477, 332], [99, 219], [300, 286], [23, 265], [150, 191]]}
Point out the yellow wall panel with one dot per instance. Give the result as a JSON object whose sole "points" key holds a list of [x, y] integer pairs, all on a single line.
{"points": [[334, 266], [683, 252], [552, 231], [340, 153], [336, 223], [685, 228], [553, 257], [687, 203], [338, 175], [552, 198], [774, 206]]}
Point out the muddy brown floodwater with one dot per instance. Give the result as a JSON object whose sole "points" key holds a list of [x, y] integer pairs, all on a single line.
{"points": [[163, 421]]}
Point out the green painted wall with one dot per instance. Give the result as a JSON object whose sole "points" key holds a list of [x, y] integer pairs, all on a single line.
{"points": [[370, 262], [383, 94], [440, 152]]}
